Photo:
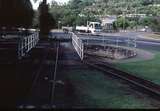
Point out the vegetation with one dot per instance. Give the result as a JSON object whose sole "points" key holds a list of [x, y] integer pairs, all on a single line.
{"points": [[16, 13], [19, 14], [122, 23], [106, 93], [72, 14], [147, 69], [78, 12]]}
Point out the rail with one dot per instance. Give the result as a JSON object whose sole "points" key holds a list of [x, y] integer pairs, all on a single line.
{"points": [[132, 43], [76, 41], [25, 44], [78, 45]]}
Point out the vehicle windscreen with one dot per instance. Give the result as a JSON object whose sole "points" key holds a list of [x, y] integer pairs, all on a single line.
{"points": [[98, 26]]}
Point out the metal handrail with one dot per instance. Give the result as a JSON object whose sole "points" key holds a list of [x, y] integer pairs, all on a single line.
{"points": [[25, 44], [78, 45]]}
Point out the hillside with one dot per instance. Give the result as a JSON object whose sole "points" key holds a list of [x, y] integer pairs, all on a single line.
{"points": [[78, 12], [117, 7]]}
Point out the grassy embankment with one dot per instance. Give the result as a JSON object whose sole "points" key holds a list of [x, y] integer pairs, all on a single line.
{"points": [[149, 69], [95, 90]]}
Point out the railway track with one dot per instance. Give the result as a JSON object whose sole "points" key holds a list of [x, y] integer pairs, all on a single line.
{"points": [[54, 75], [39, 79], [141, 84]]}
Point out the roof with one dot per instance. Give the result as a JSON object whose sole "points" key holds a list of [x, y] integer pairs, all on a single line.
{"points": [[95, 22], [108, 19], [134, 15]]}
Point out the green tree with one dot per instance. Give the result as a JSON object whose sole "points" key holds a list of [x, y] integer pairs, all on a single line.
{"points": [[155, 24], [36, 19], [75, 4], [132, 24], [16, 13], [146, 21], [58, 12], [122, 23]]}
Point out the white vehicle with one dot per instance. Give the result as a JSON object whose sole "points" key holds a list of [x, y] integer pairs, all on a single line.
{"points": [[92, 27]]}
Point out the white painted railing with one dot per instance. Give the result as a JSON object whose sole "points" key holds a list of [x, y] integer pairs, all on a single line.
{"points": [[131, 43], [78, 45], [25, 44], [76, 41]]}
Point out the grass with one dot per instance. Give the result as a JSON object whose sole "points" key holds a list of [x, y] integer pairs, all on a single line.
{"points": [[149, 69], [95, 90]]}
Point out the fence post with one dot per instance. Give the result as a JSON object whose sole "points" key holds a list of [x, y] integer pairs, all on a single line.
{"points": [[25, 44], [78, 45]]}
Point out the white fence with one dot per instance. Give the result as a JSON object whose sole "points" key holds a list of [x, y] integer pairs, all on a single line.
{"points": [[117, 42], [78, 45], [76, 41], [27, 43], [112, 47]]}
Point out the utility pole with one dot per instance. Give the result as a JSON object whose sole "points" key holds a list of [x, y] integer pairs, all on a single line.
{"points": [[123, 20], [124, 16], [136, 19], [59, 22]]}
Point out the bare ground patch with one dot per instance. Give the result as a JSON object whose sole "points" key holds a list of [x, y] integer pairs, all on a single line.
{"points": [[142, 55]]}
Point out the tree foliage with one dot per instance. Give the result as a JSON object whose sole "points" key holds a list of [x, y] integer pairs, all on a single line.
{"points": [[122, 23], [73, 13], [16, 13], [78, 12]]}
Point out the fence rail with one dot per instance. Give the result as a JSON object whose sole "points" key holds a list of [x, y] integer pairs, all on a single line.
{"points": [[130, 43], [78, 45], [76, 41], [25, 44]]}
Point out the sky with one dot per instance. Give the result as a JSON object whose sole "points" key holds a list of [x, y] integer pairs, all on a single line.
{"points": [[35, 5]]}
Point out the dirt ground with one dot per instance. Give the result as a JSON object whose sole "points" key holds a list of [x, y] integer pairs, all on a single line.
{"points": [[142, 55]]}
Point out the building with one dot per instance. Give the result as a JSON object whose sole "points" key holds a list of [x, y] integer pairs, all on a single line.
{"points": [[107, 23], [134, 15]]}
